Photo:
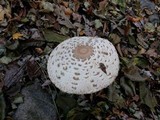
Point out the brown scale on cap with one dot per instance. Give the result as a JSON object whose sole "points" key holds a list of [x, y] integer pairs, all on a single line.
{"points": [[83, 52]]}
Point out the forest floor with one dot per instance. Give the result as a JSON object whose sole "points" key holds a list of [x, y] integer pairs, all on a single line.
{"points": [[30, 30]]}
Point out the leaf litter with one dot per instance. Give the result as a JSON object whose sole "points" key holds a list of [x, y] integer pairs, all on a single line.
{"points": [[31, 29]]}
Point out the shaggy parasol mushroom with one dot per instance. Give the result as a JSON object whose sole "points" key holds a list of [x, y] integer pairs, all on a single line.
{"points": [[83, 65]]}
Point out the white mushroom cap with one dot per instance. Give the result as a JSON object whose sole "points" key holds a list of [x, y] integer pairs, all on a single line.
{"points": [[83, 65]]}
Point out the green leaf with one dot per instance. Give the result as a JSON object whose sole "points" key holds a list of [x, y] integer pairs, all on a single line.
{"points": [[65, 102], [149, 27], [51, 36], [125, 61], [128, 86], [77, 114], [47, 50], [98, 24], [115, 96], [141, 61], [96, 111], [18, 100], [25, 20], [133, 73], [2, 50], [121, 3], [147, 97], [103, 105], [12, 45], [132, 40], [2, 107], [115, 38], [5, 60]]}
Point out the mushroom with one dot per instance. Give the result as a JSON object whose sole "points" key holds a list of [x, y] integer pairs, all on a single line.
{"points": [[83, 65]]}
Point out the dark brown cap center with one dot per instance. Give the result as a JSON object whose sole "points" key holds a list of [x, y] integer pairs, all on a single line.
{"points": [[83, 52]]}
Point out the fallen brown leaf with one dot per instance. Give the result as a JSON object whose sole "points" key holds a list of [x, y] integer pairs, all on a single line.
{"points": [[102, 5], [33, 69], [134, 19], [68, 11], [2, 13], [14, 73], [16, 36], [152, 53], [65, 3], [141, 41], [76, 17], [38, 50], [133, 73], [119, 50]]}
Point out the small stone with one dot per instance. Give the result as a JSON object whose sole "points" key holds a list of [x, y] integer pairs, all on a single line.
{"points": [[37, 105]]}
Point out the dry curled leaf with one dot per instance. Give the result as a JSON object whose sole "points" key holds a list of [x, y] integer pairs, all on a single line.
{"points": [[149, 27], [152, 53], [16, 36], [65, 21], [3, 12], [134, 19], [81, 33], [142, 41], [66, 4], [76, 17], [68, 11], [46, 83], [38, 50], [102, 5], [46, 6]]}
